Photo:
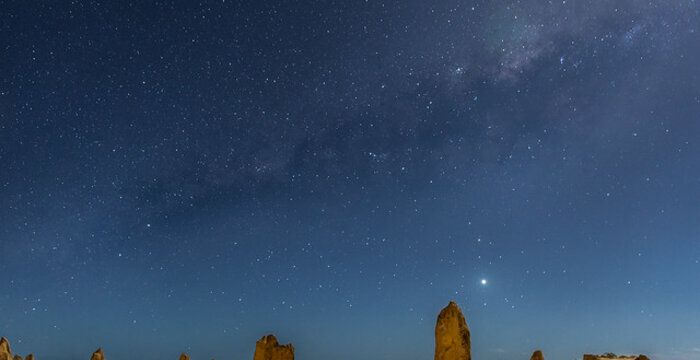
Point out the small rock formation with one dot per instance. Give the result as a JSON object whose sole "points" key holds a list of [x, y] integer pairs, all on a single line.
{"points": [[17, 357], [268, 348], [611, 356], [98, 355], [452, 341], [537, 355], [29, 357], [184, 356]]}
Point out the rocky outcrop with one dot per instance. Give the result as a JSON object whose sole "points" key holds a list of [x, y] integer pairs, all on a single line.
{"points": [[98, 355], [5, 353], [537, 355], [268, 348], [184, 356], [452, 341], [611, 356]]}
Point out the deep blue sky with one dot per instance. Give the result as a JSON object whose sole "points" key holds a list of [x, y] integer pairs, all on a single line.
{"points": [[191, 176]]}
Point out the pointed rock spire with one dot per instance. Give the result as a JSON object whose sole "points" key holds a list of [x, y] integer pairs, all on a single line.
{"points": [[4, 345], [29, 357], [17, 357], [537, 355], [452, 341], [184, 356], [268, 348], [98, 355], [5, 353]]}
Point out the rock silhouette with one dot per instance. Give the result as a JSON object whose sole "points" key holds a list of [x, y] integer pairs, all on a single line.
{"points": [[98, 355], [452, 341], [268, 348], [184, 356], [537, 355]]}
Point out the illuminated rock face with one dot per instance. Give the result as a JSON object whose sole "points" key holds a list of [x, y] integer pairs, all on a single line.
{"points": [[452, 341], [537, 355], [268, 348], [184, 356], [5, 353], [98, 355]]}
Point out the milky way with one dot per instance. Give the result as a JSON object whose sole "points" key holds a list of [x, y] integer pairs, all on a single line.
{"points": [[189, 177]]}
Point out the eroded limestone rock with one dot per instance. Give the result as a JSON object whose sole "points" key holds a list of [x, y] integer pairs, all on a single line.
{"points": [[452, 341], [268, 348], [98, 355]]}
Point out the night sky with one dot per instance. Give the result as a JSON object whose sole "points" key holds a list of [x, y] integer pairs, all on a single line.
{"points": [[186, 176]]}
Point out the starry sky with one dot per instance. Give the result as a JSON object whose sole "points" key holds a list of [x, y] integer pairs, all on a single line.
{"points": [[183, 176]]}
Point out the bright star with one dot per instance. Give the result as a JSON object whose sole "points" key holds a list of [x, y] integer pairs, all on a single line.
{"points": [[483, 281]]}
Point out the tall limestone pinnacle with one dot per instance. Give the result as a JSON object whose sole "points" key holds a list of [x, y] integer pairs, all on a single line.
{"points": [[4, 345], [5, 353], [184, 356], [98, 355], [268, 348], [452, 341], [537, 355]]}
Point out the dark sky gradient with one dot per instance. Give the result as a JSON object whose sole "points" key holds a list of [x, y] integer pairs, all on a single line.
{"points": [[191, 176]]}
